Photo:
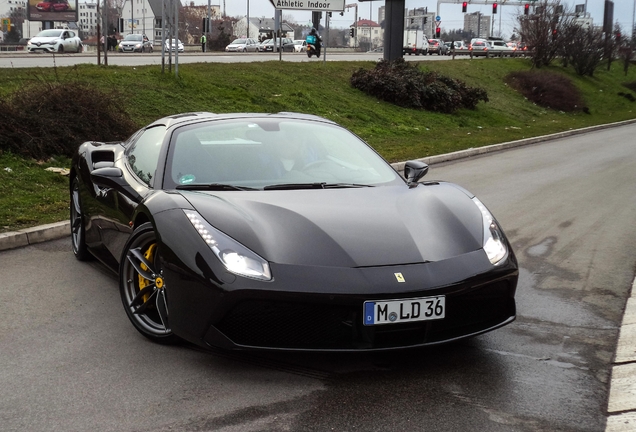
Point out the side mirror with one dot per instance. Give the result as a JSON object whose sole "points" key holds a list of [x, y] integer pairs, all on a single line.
{"points": [[112, 177], [414, 170]]}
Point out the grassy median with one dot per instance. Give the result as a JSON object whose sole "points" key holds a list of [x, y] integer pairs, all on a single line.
{"points": [[30, 196]]}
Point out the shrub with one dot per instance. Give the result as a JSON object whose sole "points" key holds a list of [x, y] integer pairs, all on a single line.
{"points": [[547, 89], [404, 84], [51, 118]]}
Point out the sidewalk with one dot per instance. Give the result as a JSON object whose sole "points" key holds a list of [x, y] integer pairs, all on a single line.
{"points": [[621, 409]]}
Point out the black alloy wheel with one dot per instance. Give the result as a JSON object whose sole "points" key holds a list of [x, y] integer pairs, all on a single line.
{"points": [[78, 238], [142, 287]]}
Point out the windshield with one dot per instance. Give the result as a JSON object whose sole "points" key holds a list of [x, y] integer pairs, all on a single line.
{"points": [[239, 41], [50, 33], [133, 37], [268, 152]]}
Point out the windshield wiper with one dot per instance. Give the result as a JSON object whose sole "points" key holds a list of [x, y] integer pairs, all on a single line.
{"points": [[213, 187], [284, 186], [344, 185], [322, 185]]}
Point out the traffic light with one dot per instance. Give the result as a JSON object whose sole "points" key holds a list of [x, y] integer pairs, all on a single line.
{"points": [[526, 9], [554, 34], [464, 6], [120, 29], [206, 25], [425, 19], [494, 8], [438, 31], [352, 32]]}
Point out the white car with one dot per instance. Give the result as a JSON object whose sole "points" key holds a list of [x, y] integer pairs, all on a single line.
{"points": [[55, 41], [242, 45], [501, 48], [172, 44], [300, 45]]}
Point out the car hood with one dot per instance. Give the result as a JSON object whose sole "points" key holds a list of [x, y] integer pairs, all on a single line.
{"points": [[130, 42], [42, 39], [236, 45], [356, 227]]}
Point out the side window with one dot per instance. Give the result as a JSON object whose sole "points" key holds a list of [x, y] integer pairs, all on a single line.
{"points": [[143, 154]]}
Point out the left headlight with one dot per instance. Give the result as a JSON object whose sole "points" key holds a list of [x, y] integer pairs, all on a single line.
{"points": [[493, 243], [236, 258]]}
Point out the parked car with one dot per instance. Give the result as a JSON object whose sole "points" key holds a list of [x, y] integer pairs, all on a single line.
{"points": [[55, 41], [500, 48], [242, 45], [22, 43], [460, 45], [444, 50], [135, 43], [52, 6], [480, 48], [300, 45], [268, 45], [61, 6], [435, 46], [173, 44], [244, 231]]}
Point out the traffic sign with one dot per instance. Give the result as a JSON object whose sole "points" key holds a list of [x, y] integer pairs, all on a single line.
{"points": [[438, 18]]}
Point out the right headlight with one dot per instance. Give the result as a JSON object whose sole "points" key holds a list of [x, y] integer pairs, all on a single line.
{"points": [[236, 258], [493, 243]]}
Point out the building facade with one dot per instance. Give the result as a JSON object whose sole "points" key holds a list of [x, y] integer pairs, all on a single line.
{"points": [[87, 19], [478, 24]]}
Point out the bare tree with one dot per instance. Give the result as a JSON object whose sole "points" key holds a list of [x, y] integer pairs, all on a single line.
{"points": [[543, 31], [582, 48]]}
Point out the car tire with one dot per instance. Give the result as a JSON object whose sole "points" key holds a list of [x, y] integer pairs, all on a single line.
{"points": [[80, 48], [140, 269], [60, 49], [78, 234]]}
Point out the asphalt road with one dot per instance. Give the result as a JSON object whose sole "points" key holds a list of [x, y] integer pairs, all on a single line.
{"points": [[23, 59], [71, 361]]}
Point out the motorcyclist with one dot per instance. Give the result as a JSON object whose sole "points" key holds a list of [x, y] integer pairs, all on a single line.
{"points": [[314, 39]]}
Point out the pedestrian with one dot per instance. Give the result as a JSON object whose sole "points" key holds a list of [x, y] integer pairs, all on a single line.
{"points": [[203, 41]]}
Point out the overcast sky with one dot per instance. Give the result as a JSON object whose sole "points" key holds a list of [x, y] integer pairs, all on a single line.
{"points": [[451, 14]]}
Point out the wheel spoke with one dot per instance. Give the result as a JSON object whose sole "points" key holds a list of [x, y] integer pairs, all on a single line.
{"points": [[162, 308], [141, 309], [136, 258], [145, 291]]}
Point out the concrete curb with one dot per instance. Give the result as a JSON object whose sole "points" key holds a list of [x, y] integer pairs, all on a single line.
{"points": [[431, 160], [38, 234], [621, 406]]}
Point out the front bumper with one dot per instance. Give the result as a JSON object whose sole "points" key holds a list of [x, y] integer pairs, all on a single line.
{"points": [[321, 309], [42, 48]]}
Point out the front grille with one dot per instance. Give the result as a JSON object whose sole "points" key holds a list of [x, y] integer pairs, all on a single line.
{"points": [[274, 324]]}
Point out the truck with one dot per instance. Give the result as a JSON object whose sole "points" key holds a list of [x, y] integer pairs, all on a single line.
{"points": [[415, 42]]}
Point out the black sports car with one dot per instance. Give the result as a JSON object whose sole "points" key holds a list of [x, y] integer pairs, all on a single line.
{"points": [[286, 231]]}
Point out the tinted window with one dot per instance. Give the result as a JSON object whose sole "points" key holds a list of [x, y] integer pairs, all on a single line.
{"points": [[143, 155], [257, 152]]}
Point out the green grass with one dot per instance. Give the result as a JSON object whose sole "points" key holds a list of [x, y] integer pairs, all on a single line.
{"points": [[28, 197]]}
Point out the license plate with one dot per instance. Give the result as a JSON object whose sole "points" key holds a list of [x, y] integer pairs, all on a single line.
{"points": [[404, 310]]}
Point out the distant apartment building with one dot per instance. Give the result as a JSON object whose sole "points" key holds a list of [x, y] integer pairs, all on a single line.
{"points": [[87, 19], [420, 19], [478, 24]]}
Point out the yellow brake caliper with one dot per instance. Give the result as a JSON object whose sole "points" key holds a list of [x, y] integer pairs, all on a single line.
{"points": [[143, 282]]}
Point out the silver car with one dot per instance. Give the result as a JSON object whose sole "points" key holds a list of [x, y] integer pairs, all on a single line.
{"points": [[135, 43], [242, 45]]}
